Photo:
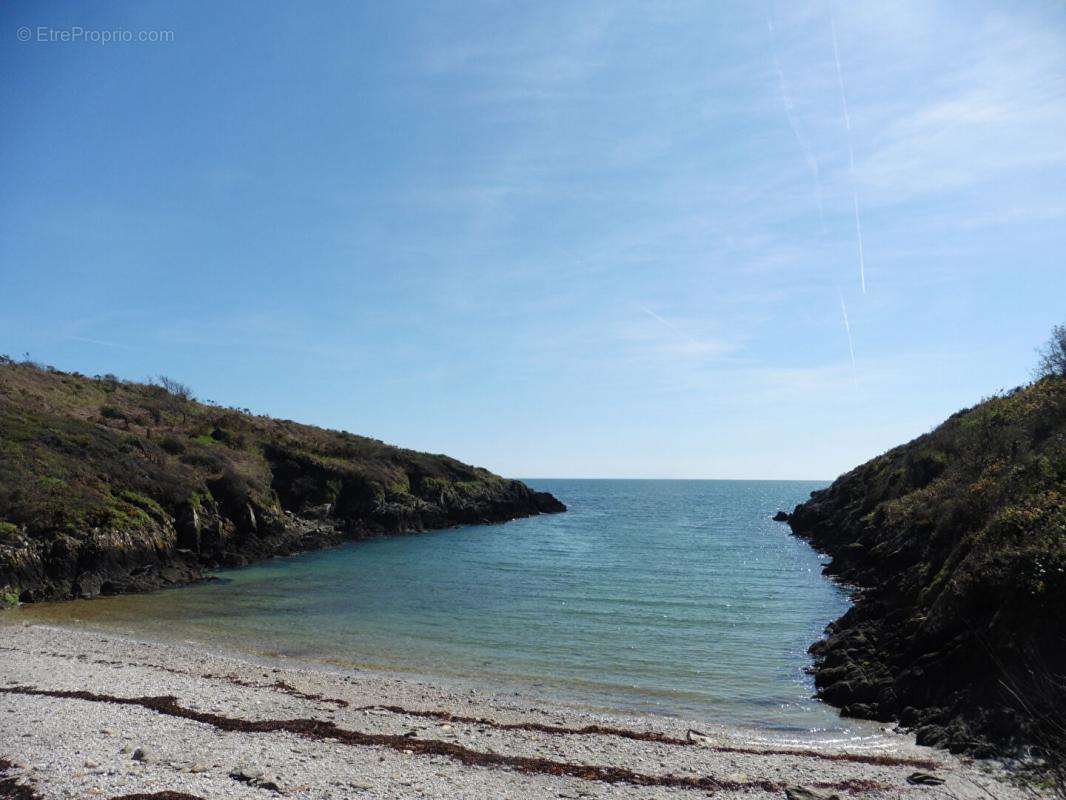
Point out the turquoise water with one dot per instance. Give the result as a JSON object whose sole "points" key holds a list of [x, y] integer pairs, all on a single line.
{"points": [[680, 597]]}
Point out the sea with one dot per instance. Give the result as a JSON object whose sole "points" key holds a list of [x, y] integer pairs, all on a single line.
{"points": [[676, 597]]}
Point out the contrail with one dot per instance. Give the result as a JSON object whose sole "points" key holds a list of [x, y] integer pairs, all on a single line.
{"points": [[858, 236], [843, 94], [851, 345], [812, 162], [851, 155], [98, 342], [671, 326]]}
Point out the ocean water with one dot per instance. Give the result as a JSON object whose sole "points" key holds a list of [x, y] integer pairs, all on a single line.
{"points": [[676, 597]]}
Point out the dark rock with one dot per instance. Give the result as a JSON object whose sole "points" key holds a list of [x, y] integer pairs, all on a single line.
{"points": [[547, 503], [781, 516], [932, 736], [804, 793], [187, 525], [131, 515], [909, 717], [320, 512], [860, 711], [256, 778], [924, 779], [944, 541], [268, 781]]}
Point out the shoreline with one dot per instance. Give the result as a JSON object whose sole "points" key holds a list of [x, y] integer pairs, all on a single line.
{"points": [[76, 706], [578, 695], [570, 697]]}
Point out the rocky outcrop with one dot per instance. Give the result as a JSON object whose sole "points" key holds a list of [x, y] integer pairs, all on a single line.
{"points": [[956, 546], [109, 487]]}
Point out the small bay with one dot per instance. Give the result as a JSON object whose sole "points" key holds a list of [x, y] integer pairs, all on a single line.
{"points": [[668, 596]]}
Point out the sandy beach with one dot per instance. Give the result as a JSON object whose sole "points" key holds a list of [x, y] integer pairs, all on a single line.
{"points": [[88, 714]]}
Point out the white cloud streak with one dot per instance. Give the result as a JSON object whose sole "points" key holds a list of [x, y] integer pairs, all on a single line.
{"points": [[687, 347], [851, 344], [858, 237], [99, 342], [672, 327], [851, 158], [790, 112]]}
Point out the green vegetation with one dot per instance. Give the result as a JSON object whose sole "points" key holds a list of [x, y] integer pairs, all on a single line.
{"points": [[109, 485], [958, 540], [1053, 354]]}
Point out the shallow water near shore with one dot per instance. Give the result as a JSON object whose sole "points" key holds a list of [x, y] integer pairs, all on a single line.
{"points": [[674, 597]]}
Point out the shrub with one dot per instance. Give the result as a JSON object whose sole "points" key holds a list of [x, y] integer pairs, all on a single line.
{"points": [[1053, 354], [228, 438], [110, 412], [9, 532], [205, 460], [172, 445], [176, 388]]}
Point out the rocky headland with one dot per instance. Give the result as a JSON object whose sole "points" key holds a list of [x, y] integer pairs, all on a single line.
{"points": [[956, 546], [110, 486]]}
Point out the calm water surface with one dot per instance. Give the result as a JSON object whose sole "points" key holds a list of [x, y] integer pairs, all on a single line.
{"points": [[671, 596]]}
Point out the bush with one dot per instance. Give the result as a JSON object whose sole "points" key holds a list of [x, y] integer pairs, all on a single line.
{"points": [[205, 460], [228, 438], [172, 445], [110, 412], [176, 388], [1053, 354], [9, 532]]}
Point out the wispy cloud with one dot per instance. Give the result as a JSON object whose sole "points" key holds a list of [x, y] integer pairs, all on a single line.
{"points": [[793, 123], [684, 344], [851, 157], [996, 116], [851, 344], [99, 342]]}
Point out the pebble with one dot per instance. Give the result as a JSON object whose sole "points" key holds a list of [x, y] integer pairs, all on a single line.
{"points": [[68, 734]]}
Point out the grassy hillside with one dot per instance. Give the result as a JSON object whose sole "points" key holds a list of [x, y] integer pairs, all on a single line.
{"points": [[109, 486], [957, 541]]}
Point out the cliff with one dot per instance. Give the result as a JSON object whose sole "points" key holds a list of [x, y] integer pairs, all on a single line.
{"points": [[956, 543], [108, 486]]}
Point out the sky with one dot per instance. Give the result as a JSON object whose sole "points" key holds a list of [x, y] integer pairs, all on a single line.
{"points": [[602, 239]]}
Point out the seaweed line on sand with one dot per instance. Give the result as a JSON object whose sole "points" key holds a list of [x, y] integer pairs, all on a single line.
{"points": [[655, 736], [539, 727], [320, 730]]}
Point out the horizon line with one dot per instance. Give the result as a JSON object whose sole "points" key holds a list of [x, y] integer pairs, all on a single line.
{"points": [[724, 480]]}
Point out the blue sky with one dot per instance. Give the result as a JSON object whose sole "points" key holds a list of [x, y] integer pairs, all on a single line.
{"points": [[574, 239]]}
